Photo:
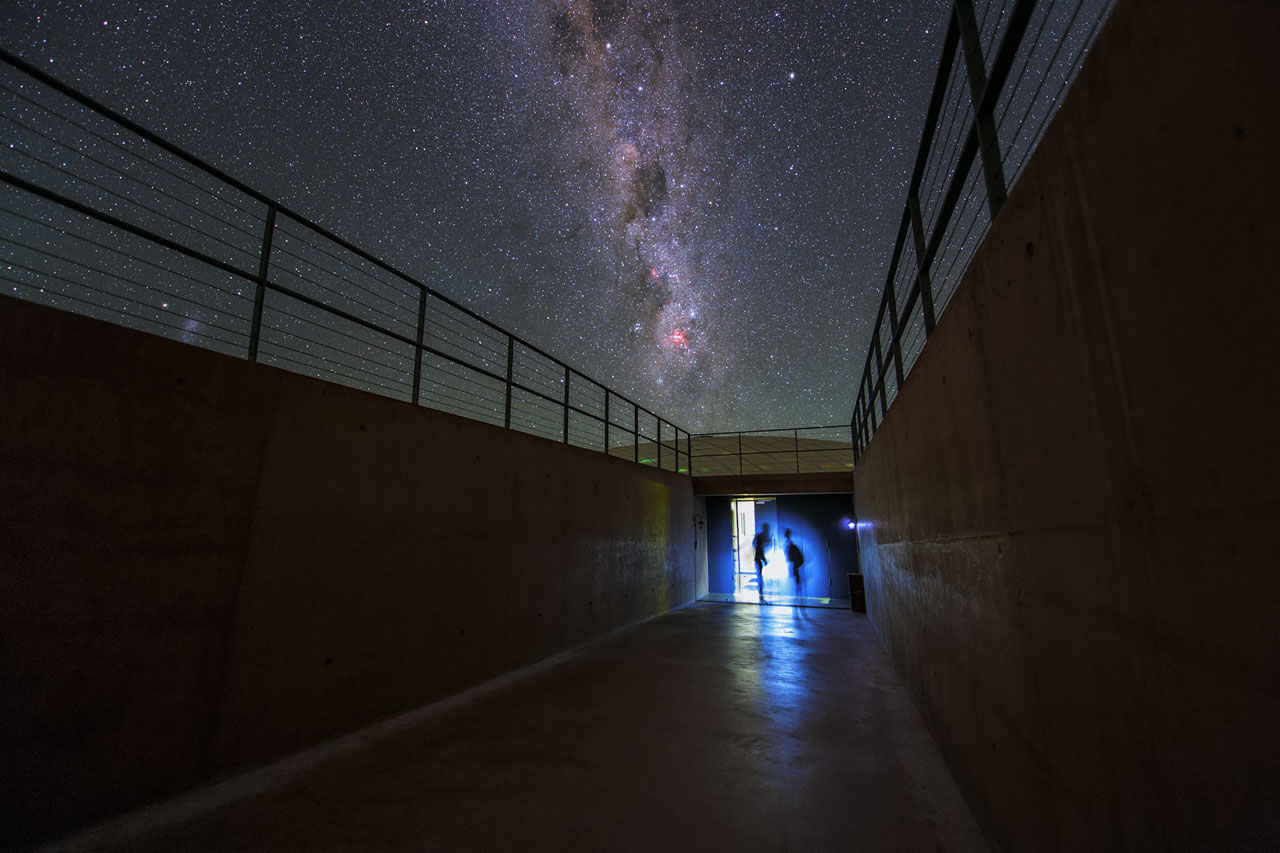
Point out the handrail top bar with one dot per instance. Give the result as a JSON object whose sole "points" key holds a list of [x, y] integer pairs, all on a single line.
{"points": [[97, 106], [940, 83]]}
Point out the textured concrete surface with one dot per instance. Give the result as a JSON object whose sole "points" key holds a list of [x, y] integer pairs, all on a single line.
{"points": [[774, 484], [1071, 515], [207, 564], [716, 727]]}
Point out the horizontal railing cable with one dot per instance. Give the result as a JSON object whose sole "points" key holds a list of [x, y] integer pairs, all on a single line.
{"points": [[167, 270], [123, 149], [791, 450], [1049, 113], [103, 272], [128, 201]]}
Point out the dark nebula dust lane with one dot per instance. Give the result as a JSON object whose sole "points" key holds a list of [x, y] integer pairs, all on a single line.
{"points": [[641, 152]]}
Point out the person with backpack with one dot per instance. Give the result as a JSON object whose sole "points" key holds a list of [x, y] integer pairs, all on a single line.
{"points": [[795, 557]]}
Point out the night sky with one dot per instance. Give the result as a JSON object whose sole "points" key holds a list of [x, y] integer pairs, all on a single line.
{"points": [[691, 201]]}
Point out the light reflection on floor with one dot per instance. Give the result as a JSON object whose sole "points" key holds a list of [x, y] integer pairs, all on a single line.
{"points": [[750, 597], [725, 728]]}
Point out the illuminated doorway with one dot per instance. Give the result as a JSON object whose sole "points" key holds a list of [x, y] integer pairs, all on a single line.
{"points": [[750, 515], [814, 548]]}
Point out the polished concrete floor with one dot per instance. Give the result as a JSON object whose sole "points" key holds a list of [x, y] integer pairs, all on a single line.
{"points": [[749, 597], [716, 727]]}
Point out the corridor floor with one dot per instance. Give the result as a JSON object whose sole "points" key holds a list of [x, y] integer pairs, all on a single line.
{"points": [[715, 727]]}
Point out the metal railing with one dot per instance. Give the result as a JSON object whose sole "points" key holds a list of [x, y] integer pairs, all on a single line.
{"points": [[798, 450], [104, 218], [987, 105]]}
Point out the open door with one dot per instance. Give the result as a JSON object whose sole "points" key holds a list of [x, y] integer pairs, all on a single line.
{"points": [[750, 517]]}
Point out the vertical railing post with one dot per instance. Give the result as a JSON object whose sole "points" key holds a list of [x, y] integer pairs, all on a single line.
{"points": [[863, 416], [922, 268], [688, 452], [795, 434], [884, 397], [983, 107], [739, 454], [853, 420], [659, 444], [896, 346], [260, 293], [856, 424], [566, 405], [511, 361], [607, 392], [422, 334], [635, 429]]}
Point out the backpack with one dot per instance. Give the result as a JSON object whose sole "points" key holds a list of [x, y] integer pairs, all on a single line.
{"points": [[794, 555]]}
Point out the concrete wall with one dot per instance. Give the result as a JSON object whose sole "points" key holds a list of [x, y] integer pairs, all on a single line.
{"points": [[206, 564], [1074, 504], [774, 484]]}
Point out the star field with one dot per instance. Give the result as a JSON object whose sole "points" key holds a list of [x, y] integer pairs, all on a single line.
{"points": [[692, 201]]}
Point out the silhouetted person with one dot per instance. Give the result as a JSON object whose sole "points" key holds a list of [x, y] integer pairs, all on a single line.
{"points": [[796, 558], [761, 543]]}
